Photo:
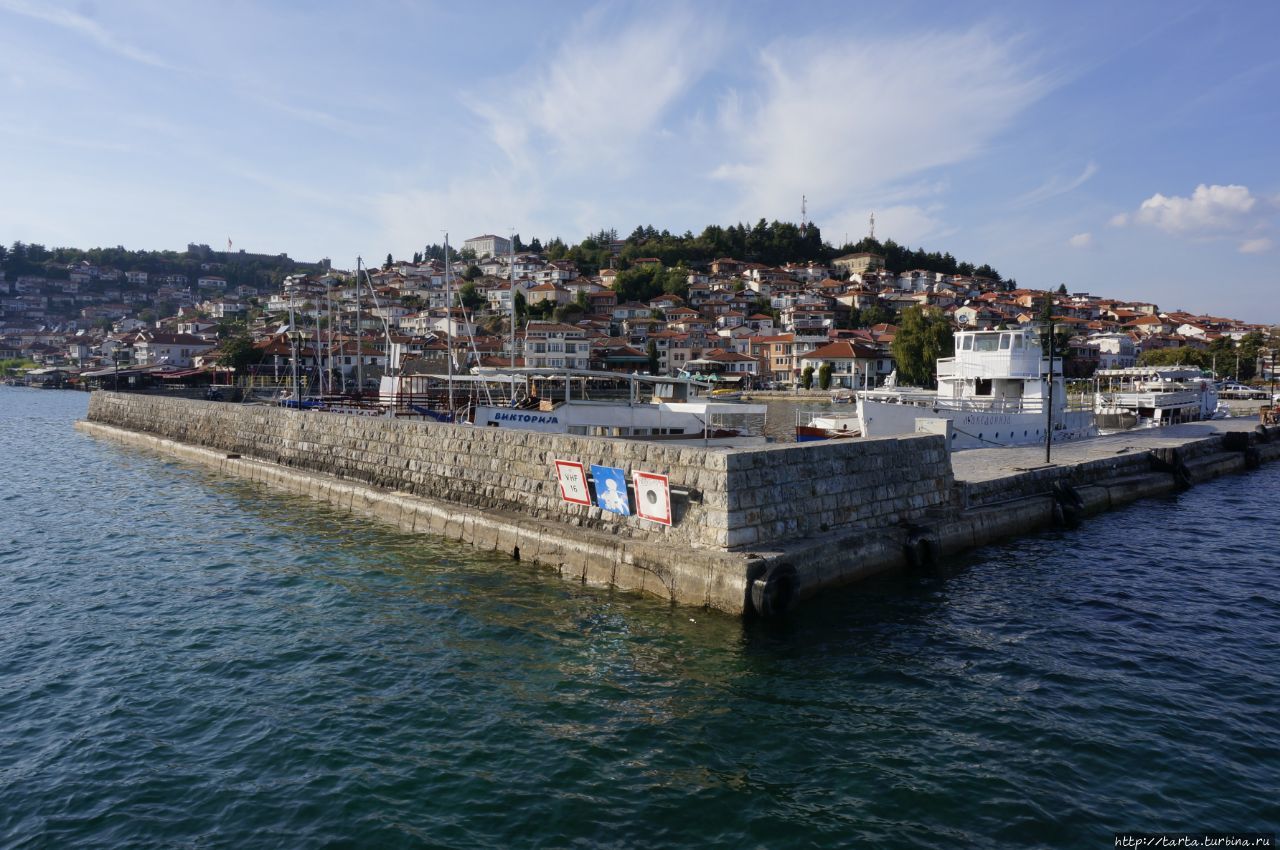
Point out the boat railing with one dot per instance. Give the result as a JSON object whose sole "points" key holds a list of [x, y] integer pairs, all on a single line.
{"points": [[1182, 398], [1006, 404]]}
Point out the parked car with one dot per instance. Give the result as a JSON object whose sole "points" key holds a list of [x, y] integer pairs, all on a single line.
{"points": [[1233, 390]]}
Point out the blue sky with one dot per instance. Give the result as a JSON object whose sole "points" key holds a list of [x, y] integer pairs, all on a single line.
{"points": [[1126, 148]]}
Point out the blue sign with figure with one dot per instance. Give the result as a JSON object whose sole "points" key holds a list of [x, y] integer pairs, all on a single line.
{"points": [[611, 489]]}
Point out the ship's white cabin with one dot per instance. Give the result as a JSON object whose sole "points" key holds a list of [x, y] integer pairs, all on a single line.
{"points": [[1002, 369]]}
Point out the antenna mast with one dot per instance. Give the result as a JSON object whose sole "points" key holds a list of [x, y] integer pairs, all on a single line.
{"points": [[873, 226], [804, 214]]}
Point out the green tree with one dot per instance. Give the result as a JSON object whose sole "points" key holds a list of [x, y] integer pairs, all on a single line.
{"points": [[389, 261], [522, 307], [806, 377], [924, 335], [238, 353], [470, 296], [1247, 352], [652, 351], [824, 376], [1174, 357]]}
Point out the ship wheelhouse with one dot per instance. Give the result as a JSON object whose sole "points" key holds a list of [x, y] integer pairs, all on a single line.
{"points": [[999, 370]]}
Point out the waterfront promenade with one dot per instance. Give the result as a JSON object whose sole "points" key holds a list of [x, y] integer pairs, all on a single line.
{"points": [[985, 465]]}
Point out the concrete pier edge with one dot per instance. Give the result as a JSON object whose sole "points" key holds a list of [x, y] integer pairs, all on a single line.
{"points": [[723, 580]]}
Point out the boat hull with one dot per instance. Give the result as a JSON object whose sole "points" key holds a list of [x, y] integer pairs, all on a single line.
{"points": [[974, 429]]}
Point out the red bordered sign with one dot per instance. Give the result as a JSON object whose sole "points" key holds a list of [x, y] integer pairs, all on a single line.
{"points": [[653, 497], [573, 482]]}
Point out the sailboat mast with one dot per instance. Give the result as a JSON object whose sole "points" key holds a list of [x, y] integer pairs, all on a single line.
{"points": [[448, 321], [512, 337], [359, 335]]}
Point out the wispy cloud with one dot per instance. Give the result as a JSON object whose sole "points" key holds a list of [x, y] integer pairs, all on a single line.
{"points": [[86, 27], [1055, 186], [317, 117], [1256, 246], [604, 91], [1081, 240], [856, 124]]}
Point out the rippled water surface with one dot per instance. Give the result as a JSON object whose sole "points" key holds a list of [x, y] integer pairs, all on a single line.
{"points": [[193, 661]]}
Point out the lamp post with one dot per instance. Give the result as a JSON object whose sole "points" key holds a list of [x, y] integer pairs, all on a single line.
{"points": [[115, 358], [1048, 407]]}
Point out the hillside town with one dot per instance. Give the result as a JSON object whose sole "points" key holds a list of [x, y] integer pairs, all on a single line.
{"points": [[744, 324]]}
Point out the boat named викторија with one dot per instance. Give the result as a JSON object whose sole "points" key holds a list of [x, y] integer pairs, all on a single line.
{"points": [[995, 391]]}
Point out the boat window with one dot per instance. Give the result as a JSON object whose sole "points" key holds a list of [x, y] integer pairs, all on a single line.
{"points": [[1017, 341], [966, 343], [1004, 342], [982, 386], [986, 342]]}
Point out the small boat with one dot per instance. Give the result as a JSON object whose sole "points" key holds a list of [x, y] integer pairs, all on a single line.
{"points": [[828, 426], [724, 395], [842, 397]]}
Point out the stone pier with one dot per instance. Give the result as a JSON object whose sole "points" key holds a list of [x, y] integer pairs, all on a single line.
{"points": [[753, 529]]}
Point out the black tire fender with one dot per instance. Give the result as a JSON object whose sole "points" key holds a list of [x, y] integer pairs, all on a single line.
{"points": [[773, 594]]}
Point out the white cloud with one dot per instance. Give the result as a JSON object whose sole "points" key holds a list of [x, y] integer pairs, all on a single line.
{"points": [[604, 92], [858, 122], [1256, 246], [1081, 240], [1210, 209], [84, 26], [1119, 220], [1056, 185]]}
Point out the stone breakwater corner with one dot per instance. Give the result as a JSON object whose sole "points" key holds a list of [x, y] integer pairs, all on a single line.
{"points": [[759, 528]]}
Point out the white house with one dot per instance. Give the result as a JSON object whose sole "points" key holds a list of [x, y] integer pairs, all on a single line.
{"points": [[850, 363], [551, 345], [487, 245], [153, 349]]}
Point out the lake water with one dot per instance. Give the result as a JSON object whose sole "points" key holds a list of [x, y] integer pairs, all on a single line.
{"points": [[193, 661]]}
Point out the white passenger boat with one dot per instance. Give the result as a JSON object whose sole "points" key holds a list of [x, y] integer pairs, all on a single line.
{"points": [[638, 407], [1152, 396], [998, 390]]}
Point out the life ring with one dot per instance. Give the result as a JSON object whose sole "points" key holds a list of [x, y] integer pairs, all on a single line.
{"points": [[772, 595]]}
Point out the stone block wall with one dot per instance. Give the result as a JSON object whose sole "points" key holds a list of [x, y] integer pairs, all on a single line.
{"points": [[740, 498], [791, 491]]}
